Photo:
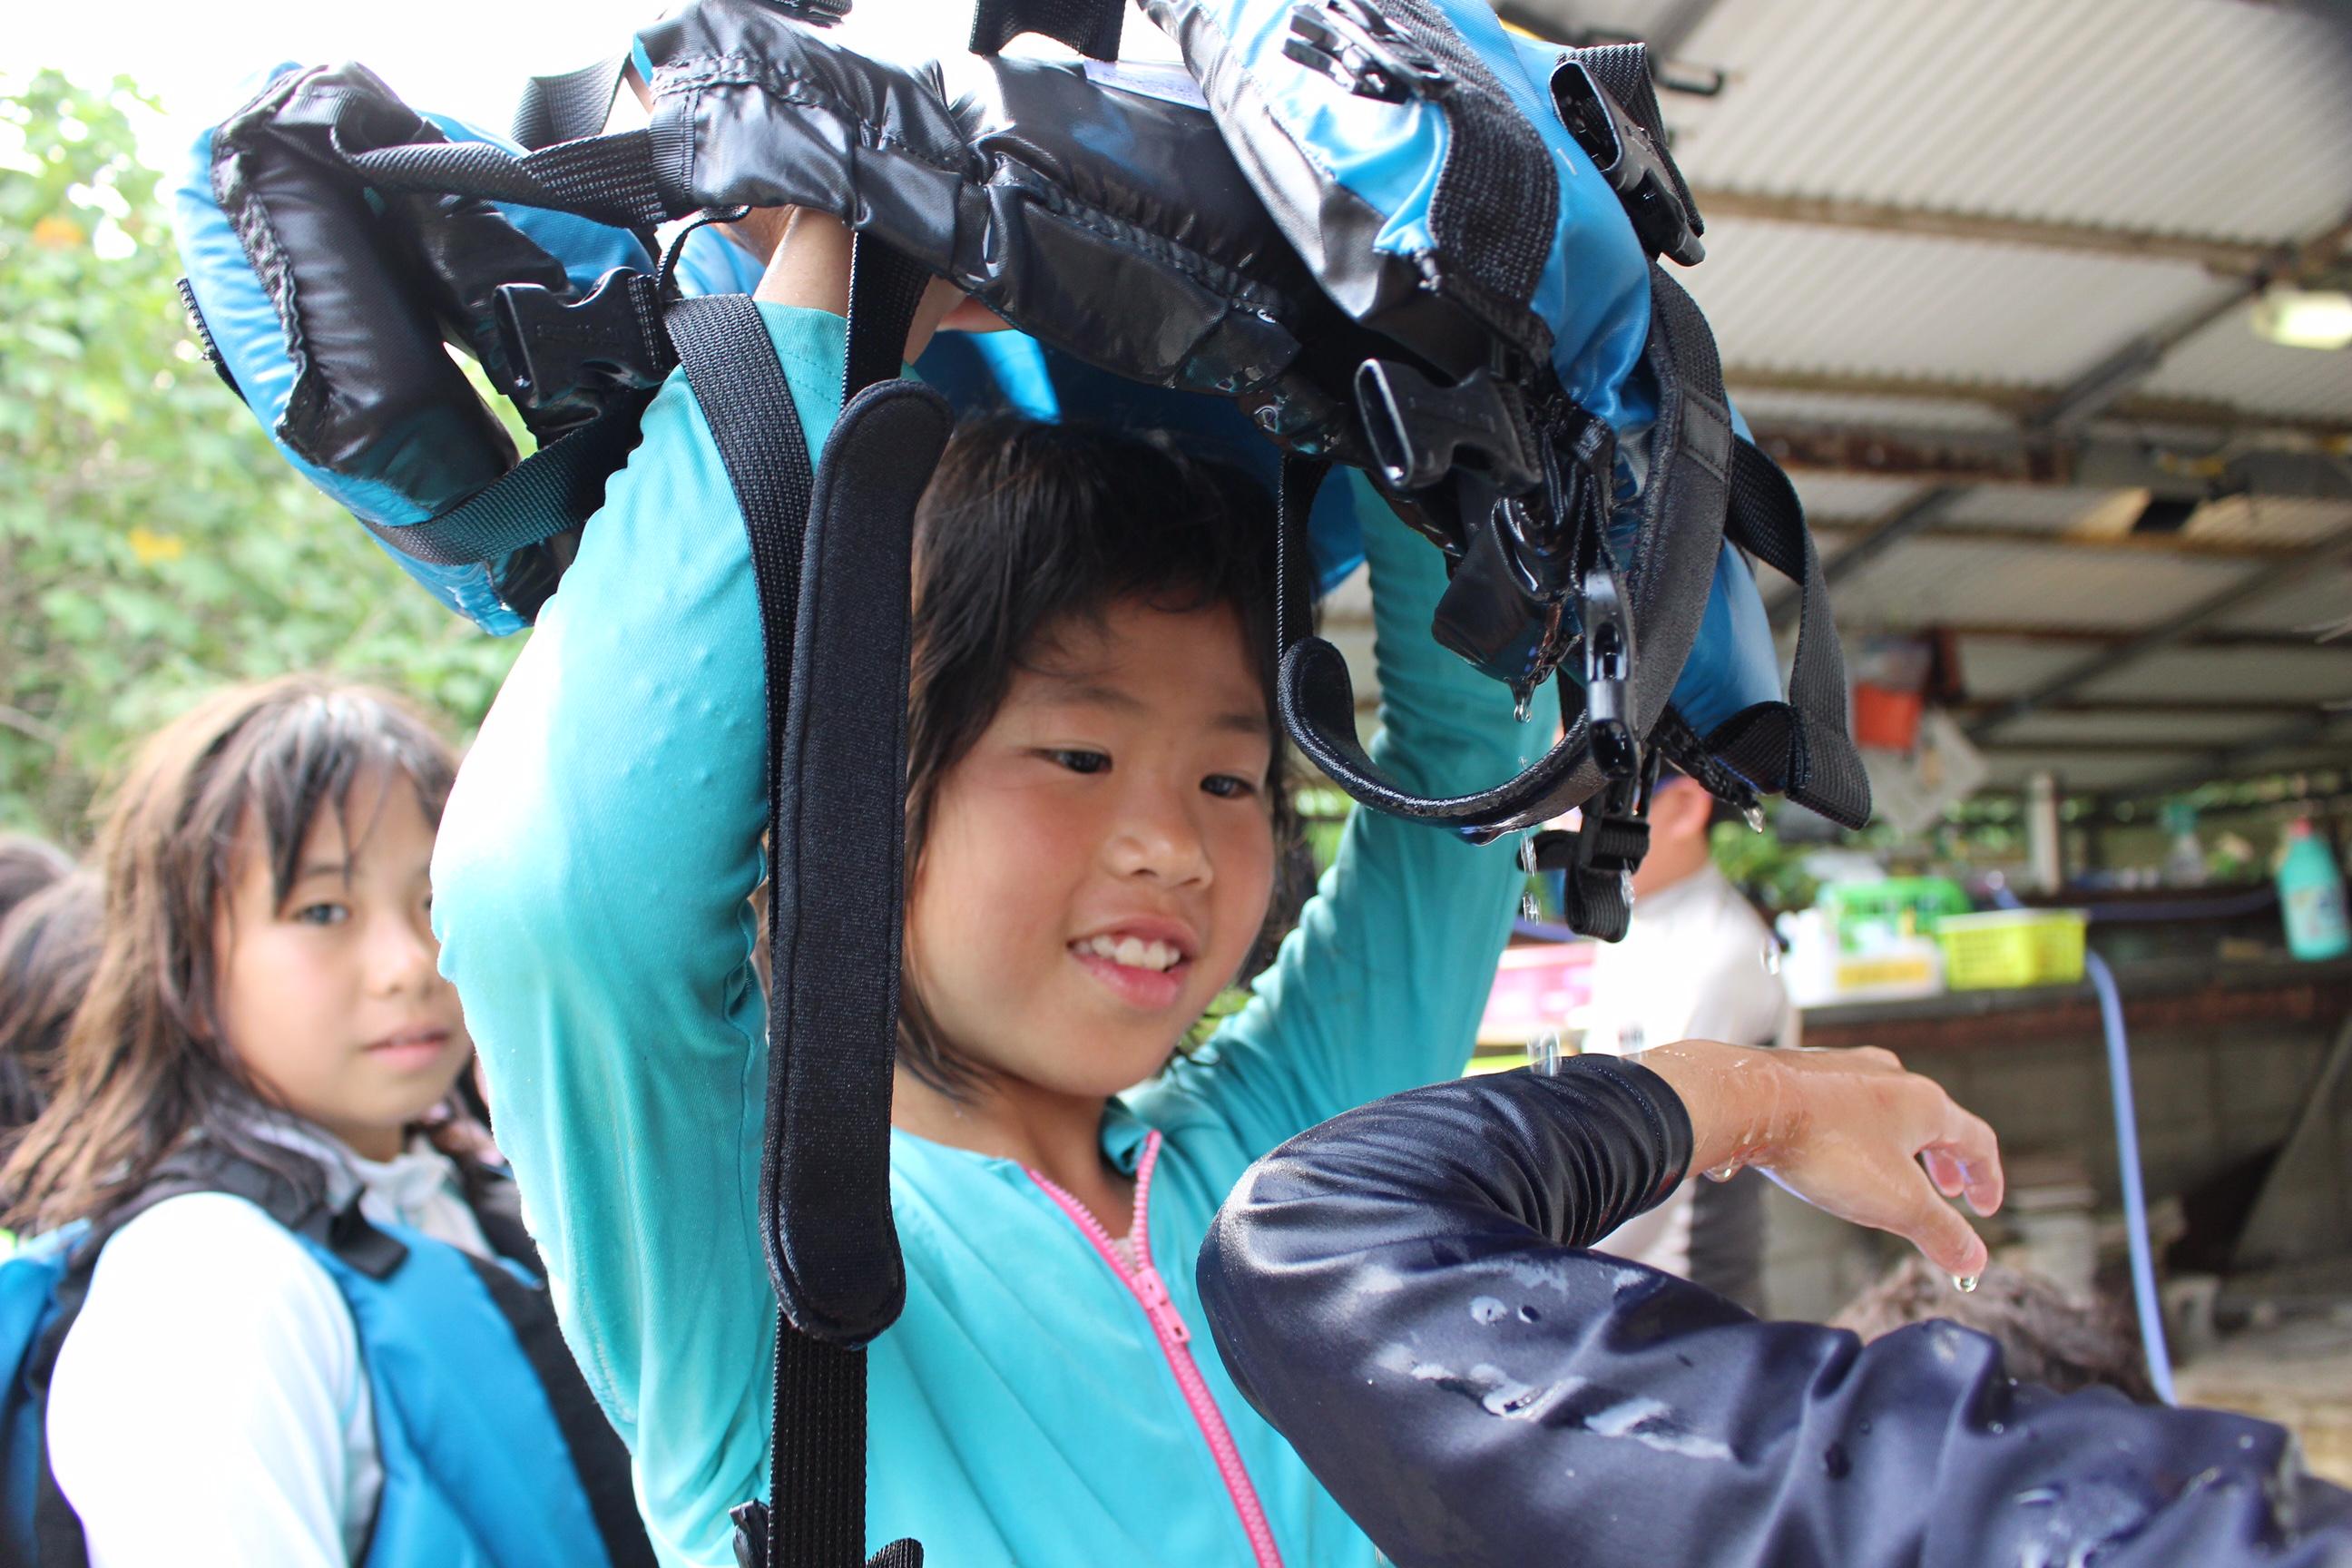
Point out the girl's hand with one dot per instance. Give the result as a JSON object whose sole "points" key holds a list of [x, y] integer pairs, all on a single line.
{"points": [[1847, 1131]]}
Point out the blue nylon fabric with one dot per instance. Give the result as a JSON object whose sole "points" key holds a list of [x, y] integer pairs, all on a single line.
{"points": [[476, 1468], [1595, 293], [252, 342], [28, 1280], [477, 1472]]}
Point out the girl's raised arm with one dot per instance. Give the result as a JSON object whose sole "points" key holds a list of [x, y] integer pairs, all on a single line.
{"points": [[1381, 984], [593, 880]]}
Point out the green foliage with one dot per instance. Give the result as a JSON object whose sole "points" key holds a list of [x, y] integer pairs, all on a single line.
{"points": [[152, 545]]}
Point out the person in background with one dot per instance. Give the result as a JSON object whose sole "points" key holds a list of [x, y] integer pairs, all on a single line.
{"points": [[290, 1334], [1693, 966], [48, 952], [26, 866]]}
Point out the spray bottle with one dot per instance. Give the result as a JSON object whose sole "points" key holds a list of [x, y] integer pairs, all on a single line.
{"points": [[2311, 896]]}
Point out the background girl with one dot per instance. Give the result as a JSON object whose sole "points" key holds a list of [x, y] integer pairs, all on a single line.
{"points": [[254, 1113], [1093, 818]]}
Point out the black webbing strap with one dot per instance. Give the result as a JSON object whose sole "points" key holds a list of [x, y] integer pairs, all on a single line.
{"points": [[1801, 746], [885, 289], [568, 106], [832, 554], [1089, 26], [615, 179], [1670, 573], [1296, 482], [1624, 72], [555, 489]]}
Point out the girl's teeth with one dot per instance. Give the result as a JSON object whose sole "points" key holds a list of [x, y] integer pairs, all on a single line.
{"points": [[1134, 952]]}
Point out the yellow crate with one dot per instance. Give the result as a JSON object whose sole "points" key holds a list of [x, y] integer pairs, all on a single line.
{"points": [[2011, 947]]}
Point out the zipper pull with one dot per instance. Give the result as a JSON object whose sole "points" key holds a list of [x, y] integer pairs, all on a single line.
{"points": [[1152, 1291]]}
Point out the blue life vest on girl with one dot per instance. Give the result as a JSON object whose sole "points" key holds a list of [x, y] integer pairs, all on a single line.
{"points": [[495, 1454]]}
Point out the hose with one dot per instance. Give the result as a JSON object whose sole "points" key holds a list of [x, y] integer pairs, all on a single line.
{"points": [[2143, 1260]]}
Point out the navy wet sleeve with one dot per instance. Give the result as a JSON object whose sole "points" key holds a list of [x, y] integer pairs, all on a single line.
{"points": [[1400, 1291]]}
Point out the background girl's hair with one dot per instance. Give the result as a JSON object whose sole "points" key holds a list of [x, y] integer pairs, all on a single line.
{"points": [[144, 1065], [26, 866], [48, 950], [1027, 525]]}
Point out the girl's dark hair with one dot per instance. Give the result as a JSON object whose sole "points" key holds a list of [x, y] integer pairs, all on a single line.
{"points": [[144, 1064], [26, 866], [48, 950], [1025, 526]]}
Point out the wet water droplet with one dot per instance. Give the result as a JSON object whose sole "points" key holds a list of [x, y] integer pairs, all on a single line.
{"points": [[2039, 1496], [1521, 701], [1964, 1283], [1724, 1172], [1834, 1460], [1486, 1310], [1528, 909], [1771, 956], [2244, 1442], [1754, 817], [1996, 1427]]}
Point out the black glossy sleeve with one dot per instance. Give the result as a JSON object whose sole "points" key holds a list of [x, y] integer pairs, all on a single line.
{"points": [[1401, 1292]]}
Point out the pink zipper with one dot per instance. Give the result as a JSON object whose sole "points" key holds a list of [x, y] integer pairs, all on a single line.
{"points": [[1175, 1341]]}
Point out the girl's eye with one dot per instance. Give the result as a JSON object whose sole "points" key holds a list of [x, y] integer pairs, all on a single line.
{"points": [[321, 915], [1079, 762], [1228, 786]]}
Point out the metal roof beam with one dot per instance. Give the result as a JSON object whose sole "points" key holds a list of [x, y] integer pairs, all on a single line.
{"points": [[2310, 259], [2284, 573], [1969, 458], [2019, 402], [2088, 637], [2160, 707], [2188, 544]]}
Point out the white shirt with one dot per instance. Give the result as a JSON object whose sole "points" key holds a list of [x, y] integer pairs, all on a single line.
{"points": [[210, 1405], [1692, 967]]}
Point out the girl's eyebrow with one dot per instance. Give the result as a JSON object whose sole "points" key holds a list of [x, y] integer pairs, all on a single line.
{"points": [[339, 869], [1077, 691]]}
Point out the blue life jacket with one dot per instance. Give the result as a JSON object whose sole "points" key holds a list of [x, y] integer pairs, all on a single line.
{"points": [[495, 1454]]}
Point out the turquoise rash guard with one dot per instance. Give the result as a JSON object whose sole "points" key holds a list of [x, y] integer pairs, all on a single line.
{"points": [[1042, 1401]]}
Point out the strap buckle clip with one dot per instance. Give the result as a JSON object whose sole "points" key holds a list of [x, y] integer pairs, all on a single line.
{"points": [[574, 354], [1419, 429], [1636, 167], [1354, 45]]}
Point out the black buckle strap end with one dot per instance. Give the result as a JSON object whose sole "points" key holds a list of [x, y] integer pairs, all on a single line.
{"points": [[1419, 429], [1636, 167]]}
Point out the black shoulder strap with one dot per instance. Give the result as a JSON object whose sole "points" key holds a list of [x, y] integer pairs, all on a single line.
{"points": [[832, 555], [1089, 26], [1801, 746], [568, 106]]}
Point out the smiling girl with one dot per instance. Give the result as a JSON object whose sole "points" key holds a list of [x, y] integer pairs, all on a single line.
{"points": [[294, 1343], [1095, 812]]}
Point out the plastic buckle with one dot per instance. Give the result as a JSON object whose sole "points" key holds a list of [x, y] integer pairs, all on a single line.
{"points": [[1635, 168], [1353, 43], [564, 350], [1608, 671], [1419, 429], [815, 13], [750, 1533]]}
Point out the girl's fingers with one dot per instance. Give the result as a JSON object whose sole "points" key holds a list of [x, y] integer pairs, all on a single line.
{"points": [[1937, 1230], [1972, 1143], [1945, 1170]]}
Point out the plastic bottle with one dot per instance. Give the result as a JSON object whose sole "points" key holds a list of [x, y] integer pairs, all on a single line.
{"points": [[2311, 896]]}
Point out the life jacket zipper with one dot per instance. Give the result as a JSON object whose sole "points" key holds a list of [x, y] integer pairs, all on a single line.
{"points": [[1168, 1325]]}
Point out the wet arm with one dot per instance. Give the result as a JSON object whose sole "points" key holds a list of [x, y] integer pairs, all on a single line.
{"points": [[1399, 1293]]}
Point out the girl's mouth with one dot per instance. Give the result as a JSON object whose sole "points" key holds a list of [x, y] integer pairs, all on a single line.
{"points": [[1147, 973], [411, 1048]]}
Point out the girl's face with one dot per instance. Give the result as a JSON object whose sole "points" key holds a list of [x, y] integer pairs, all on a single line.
{"points": [[331, 999], [1099, 865]]}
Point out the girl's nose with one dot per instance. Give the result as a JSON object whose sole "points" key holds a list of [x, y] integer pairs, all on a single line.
{"points": [[402, 956], [1158, 836]]}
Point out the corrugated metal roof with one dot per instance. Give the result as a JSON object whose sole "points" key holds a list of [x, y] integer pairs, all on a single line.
{"points": [[1786, 296], [1930, 581], [2318, 603], [2227, 361], [2286, 674], [2270, 519], [2161, 730], [2207, 117]]}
